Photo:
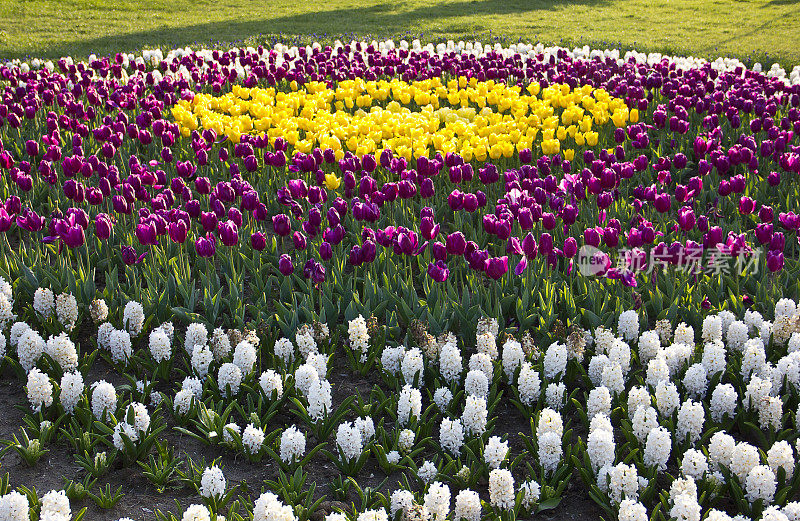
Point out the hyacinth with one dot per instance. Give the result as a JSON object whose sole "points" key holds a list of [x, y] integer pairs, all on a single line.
{"points": [[40, 390], [391, 358], [72, 387], [212, 482], [412, 365], [304, 338], [293, 445], [613, 378], [657, 448], [760, 484], [481, 362], [61, 349], [599, 402], [98, 310], [405, 441], [529, 384], [67, 310], [468, 506], [366, 427], [487, 345], [549, 421], [319, 399], [120, 345], [714, 357], [229, 377], [667, 398], [743, 459], [427, 471], [196, 335], [201, 360], [691, 417], [501, 489], [600, 448], [736, 335], [319, 362], [196, 513], [442, 398], [359, 336], [450, 362], [487, 325], [623, 483], [104, 399], [723, 402], [401, 500], [373, 515], [474, 416], [44, 302], [30, 347], [554, 395], [270, 382], [252, 439], [694, 464], [133, 318], [513, 356], [550, 452], [437, 501], [409, 404], [14, 507], [7, 315], [160, 345], [268, 507], [495, 452], [628, 325], [685, 508], [720, 449], [555, 360], [55, 507], [182, 402], [476, 384]]}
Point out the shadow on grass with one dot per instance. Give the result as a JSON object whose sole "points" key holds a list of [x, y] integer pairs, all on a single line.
{"points": [[457, 18]]}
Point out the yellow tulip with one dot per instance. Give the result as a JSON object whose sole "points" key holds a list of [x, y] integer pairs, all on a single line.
{"points": [[332, 182]]}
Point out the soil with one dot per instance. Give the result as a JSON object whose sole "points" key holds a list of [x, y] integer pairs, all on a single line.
{"points": [[141, 499]]}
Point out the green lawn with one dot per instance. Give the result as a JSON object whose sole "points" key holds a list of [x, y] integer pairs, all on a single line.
{"points": [[749, 29]]}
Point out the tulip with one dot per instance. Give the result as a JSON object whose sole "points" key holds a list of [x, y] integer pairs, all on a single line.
{"points": [[146, 234], [178, 231], [102, 226], [258, 241], [438, 271], [229, 233], [456, 243], [205, 246], [496, 267], [285, 265], [774, 261], [281, 224], [326, 251]]}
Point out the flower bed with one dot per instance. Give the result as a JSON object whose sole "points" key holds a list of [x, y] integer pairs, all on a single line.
{"points": [[598, 251]]}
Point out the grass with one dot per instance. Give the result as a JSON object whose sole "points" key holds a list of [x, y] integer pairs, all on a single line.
{"points": [[754, 30]]}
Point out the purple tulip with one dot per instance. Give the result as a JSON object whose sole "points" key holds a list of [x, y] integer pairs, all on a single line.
{"points": [[147, 234], [326, 251], [178, 231], [281, 224], [456, 243], [206, 246], [496, 267], [774, 261], [285, 265], [228, 233], [102, 226], [438, 271]]}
